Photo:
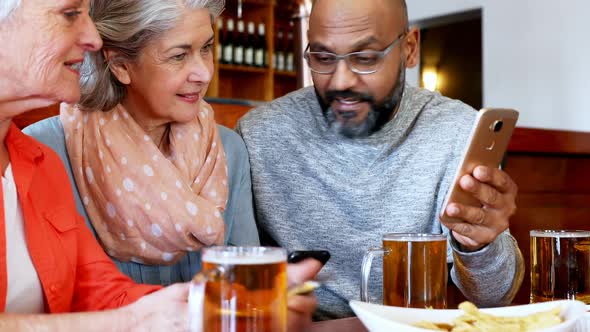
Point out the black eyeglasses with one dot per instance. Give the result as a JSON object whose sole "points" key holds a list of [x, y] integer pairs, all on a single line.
{"points": [[366, 62]]}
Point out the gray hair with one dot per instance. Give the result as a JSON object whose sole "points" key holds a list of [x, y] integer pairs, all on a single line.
{"points": [[127, 27], [7, 7]]}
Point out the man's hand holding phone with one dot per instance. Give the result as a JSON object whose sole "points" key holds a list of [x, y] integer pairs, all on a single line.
{"points": [[482, 198], [481, 225]]}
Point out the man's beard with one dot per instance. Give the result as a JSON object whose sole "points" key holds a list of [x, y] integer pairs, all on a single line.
{"points": [[378, 116]]}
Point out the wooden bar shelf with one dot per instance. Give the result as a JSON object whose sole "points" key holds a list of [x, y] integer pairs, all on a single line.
{"points": [[255, 83], [285, 73], [243, 69]]}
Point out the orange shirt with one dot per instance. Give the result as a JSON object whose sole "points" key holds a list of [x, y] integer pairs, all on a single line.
{"points": [[75, 273]]}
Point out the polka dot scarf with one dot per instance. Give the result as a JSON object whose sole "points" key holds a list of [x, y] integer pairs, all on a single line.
{"points": [[147, 207]]}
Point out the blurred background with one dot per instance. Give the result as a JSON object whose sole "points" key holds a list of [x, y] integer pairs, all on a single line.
{"points": [[531, 55]]}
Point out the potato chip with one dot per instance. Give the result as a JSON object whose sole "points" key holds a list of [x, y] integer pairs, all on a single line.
{"points": [[473, 320]]}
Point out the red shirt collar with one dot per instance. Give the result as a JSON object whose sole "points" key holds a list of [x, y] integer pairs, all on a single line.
{"points": [[25, 146]]}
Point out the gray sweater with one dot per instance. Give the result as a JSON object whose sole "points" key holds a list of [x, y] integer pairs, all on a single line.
{"points": [[238, 215], [315, 190]]}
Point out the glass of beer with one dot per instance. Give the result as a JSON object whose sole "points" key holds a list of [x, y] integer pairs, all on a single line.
{"points": [[240, 289], [560, 265], [414, 270]]}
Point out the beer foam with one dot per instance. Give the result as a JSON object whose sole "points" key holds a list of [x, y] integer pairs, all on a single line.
{"points": [[244, 258], [560, 234], [414, 237]]}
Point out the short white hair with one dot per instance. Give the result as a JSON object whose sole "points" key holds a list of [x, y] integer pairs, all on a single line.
{"points": [[7, 7]]}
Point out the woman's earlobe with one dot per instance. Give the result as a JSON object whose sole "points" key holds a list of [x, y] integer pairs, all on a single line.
{"points": [[121, 73], [119, 68]]}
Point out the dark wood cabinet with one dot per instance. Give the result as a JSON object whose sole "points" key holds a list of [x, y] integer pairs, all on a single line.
{"points": [[256, 83]]}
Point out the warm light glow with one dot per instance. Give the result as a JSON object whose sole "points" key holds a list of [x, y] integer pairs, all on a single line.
{"points": [[430, 79]]}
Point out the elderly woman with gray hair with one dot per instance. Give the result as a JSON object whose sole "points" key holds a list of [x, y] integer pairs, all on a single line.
{"points": [[49, 261], [155, 178]]}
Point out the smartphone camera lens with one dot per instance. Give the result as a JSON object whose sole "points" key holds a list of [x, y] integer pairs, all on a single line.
{"points": [[497, 126]]}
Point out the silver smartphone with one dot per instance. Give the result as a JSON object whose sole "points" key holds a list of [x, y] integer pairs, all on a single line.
{"points": [[486, 146]]}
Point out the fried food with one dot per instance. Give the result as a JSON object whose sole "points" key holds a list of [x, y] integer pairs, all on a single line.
{"points": [[474, 320]]}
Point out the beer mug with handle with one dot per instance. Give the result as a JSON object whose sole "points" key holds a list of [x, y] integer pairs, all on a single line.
{"points": [[240, 289], [414, 270], [560, 265]]}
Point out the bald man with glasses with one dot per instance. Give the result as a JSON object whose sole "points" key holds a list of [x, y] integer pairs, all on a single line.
{"points": [[362, 153]]}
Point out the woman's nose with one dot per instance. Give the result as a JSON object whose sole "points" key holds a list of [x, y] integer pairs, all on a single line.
{"points": [[89, 36], [201, 71]]}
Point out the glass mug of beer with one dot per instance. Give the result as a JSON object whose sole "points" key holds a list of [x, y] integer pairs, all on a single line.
{"points": [[560, 265], [240, 289], [414, 270]]}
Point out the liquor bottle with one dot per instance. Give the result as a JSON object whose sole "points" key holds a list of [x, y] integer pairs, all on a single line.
{"points": [[239, 45], [260, 56], [221, 40], [280, 52], [228, 47], [250, 45], [289, 60]]}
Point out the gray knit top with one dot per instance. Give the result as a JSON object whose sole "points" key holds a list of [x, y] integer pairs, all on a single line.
{"points": [[316, 190]]}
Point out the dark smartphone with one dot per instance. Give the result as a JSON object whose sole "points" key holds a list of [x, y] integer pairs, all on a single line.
{"points": [[297, 256]]}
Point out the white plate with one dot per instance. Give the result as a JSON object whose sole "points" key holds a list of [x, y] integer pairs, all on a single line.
{"points": [[380, 318], [584, 322]]}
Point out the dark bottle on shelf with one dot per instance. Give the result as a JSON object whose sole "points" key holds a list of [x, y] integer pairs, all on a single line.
{"points": [[228, 46], [280, 52], [260, 54], [239, 44], [289, 57], [221, 40], [250, 46]]}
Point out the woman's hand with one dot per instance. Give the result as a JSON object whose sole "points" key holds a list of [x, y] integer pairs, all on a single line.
{"points": [[164, 310], [167, 309]]}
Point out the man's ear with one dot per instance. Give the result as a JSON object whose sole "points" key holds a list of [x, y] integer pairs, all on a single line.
{"points": [[412, 47], [119, 68]]}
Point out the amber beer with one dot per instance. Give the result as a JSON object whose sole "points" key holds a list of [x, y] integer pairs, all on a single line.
{"points": [[560, 265], [250, 292], [414, 270]]}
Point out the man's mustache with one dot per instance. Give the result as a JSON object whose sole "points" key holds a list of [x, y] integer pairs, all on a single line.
{"points": [[348, 94]]}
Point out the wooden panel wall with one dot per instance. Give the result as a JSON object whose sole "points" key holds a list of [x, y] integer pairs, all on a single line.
{"points": [[229, 114], [551, 169], [225, 114], [33, 116]]}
